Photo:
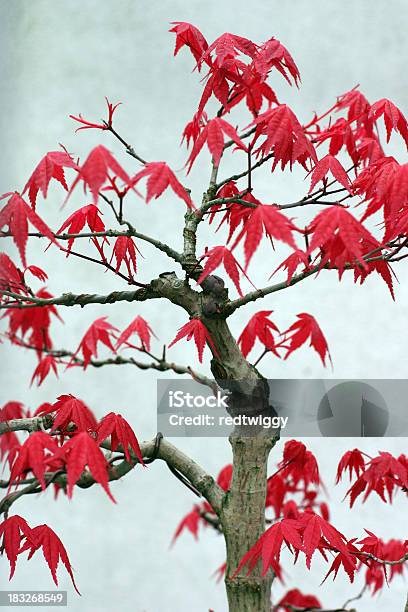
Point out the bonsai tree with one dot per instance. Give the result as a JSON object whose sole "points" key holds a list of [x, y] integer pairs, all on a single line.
{"points": [[352, 221]]}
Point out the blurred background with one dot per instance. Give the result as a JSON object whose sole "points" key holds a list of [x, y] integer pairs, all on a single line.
{"points": [[63, 57]]}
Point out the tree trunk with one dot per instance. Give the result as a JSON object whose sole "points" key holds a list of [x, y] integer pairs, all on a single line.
{"points": [[243, 521], [243, 510]]}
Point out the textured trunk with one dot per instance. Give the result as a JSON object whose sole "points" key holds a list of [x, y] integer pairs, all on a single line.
{"points": [[243, 510], [243, 519]]}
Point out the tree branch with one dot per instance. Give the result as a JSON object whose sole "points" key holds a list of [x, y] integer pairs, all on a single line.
{"points": [[82, 299], [38, 423], [159, 364], [194, 473], [231, 306], [236, 177], [131, 233]]}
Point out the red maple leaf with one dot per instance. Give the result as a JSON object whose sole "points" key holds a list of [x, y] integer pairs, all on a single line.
{"points": [[340, 134], [353, 461], [213, 134], [140, 327], [316, 528], [50, 167], [228, 190], [358, 109], [259, 327], [275, 494], [9, 445], [11, 278], [284, 136], [252, 87], [224, 477], [297, 599], [94, 171], [236, 213], [222, 255], [326, 164], [36, 319], [125, 250], [268, 547], [33, 455], [264, 218], [197, 330], [99, 331], [305, 328], [393, 118], [189, 36], [69, 409], [37, 272], [79, 452], [13, 530], [381, 266], [291, 264], [228, 46], [44, 366], [53, 550], [298, 464], [191, 522], [272, 54], [87, 215], [336, 221], [193, 128], [16, 214], [120, 432], [346, 558], [383, 183], [160, 176], [218, 84], [11, 410]]}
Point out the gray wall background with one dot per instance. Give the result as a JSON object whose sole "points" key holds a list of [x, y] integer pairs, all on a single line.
{"points": [[63, 57]]}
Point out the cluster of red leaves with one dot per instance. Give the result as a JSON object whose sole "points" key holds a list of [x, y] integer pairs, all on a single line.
{"points": [[357, 132], [307, 533], [383, 475], [105, 333], [32, 326], [295, 485], [393, 550], [238, 70], [261, 328], [303, 526], [75, 449], [18, 537]]}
